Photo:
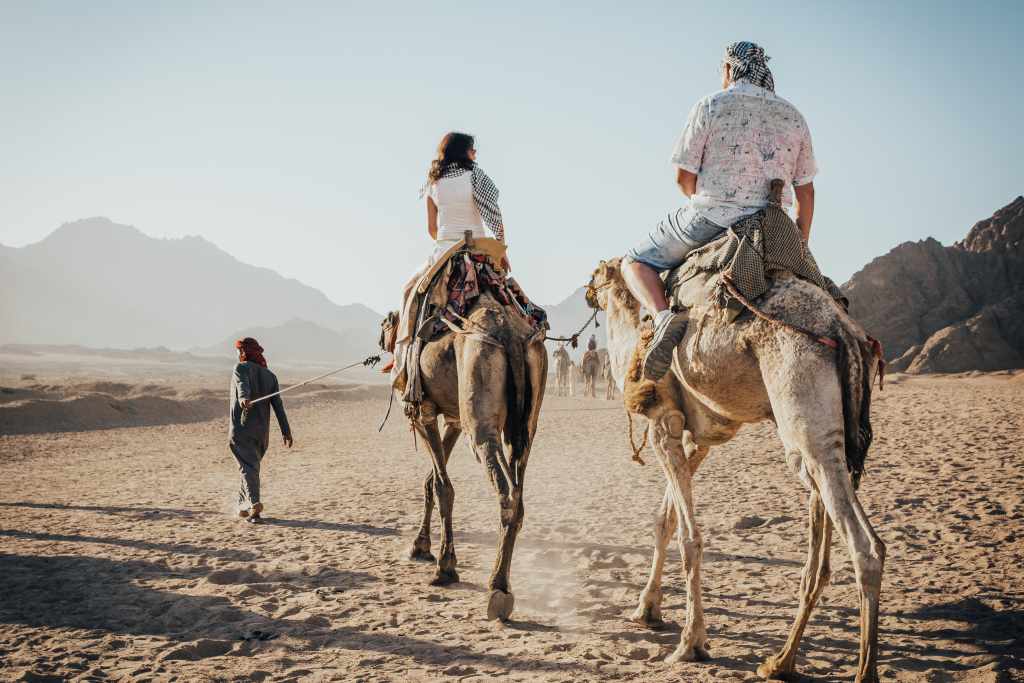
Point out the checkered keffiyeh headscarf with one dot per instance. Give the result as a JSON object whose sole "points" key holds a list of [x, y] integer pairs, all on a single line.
{"points": [[749, 63]]}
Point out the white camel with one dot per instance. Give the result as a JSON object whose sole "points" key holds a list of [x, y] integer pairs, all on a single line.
{"points": [[729, 374], [563, 370]]}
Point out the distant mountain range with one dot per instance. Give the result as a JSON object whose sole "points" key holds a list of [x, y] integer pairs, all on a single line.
{"points": [[949, 309], [97, 283], [299, 340], [568, 316]]}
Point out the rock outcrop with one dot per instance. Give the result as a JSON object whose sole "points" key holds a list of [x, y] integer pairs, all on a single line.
{"points": [[949, 309]]}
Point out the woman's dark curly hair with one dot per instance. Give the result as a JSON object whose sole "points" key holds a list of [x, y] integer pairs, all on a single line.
{"points": [[453, 150]]}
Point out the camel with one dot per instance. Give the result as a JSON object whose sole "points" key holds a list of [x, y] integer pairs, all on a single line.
{"points": [[563, 372], [725, 375], [611, 389], [487, 380], [575, 377], [590, 367]]}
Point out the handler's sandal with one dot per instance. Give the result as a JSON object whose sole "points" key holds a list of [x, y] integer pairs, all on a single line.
{"points": [[667, 336], [254, 514]]}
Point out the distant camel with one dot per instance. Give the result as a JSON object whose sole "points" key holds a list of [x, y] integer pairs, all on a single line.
{"points": [[611, 389], [590, 366], [726, 375], [575, 377], [563, 371], [489, 382]]}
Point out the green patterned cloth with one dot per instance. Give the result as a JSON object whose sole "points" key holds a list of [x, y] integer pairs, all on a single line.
{"points": [[748, 254]]}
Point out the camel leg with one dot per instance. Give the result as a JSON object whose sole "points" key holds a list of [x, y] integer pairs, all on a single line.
{"points": [[648, 612], [421, 546], [866, 550], [483, 416], [668, 445], [444, 493], [808, 411], [815, 577]]}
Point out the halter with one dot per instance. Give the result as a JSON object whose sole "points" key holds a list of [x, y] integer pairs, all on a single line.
{"points": [[592, 292]]}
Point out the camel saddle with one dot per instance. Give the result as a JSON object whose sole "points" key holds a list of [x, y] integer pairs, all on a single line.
{"points": [[745, 260], [446, 293]]}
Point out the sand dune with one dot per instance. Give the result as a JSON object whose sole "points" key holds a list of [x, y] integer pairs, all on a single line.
{"points": [[45, 408], [120, 558]]}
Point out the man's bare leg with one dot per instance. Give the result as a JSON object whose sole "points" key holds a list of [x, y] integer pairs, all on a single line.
{"points": [[669, 328], [645, 284]]}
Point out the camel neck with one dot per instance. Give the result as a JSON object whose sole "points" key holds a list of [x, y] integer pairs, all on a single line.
{"points": [[623, 334]]}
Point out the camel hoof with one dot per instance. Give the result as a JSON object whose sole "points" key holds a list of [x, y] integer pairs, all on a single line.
{"points": [[772, 670], [500, 605], [445, 578], [421, 555], [693, 654], [645, 617]]}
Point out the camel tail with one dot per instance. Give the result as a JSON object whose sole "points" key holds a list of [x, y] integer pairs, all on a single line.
{"points": [[854, 365], [518, 398]]}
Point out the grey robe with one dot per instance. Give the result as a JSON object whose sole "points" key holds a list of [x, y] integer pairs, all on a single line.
{"points": [[250, 432]]}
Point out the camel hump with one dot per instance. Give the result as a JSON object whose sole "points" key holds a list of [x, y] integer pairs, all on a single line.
{"points": [[775, 192]]}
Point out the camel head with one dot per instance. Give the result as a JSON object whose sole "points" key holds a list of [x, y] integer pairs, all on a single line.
{"points": [[388, 332], [606, 281]]}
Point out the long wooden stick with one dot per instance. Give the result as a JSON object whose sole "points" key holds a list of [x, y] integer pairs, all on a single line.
{"points": [[370, 361]]}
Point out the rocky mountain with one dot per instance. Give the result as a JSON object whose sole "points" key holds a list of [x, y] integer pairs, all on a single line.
{"points": [[96, 283], [949, 309]]}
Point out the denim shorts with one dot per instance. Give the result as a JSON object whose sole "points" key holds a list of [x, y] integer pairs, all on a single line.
{"points": [[673, 238]]}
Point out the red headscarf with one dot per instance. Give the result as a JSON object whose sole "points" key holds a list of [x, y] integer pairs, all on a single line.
{"points": [[251, 351]]}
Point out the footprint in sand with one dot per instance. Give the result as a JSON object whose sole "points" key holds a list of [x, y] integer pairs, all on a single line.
{"points": [[200, 649]]}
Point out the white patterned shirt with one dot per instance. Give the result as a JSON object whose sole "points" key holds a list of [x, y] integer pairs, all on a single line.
{"points": [[736, 141]]}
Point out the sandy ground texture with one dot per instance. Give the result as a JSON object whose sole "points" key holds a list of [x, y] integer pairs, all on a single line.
{"points": [[120, 557]]}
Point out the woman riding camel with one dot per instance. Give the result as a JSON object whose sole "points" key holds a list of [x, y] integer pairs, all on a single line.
{"points": [[460, 197]]}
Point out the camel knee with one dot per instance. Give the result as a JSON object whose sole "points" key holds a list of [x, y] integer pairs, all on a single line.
{"points": [[512, 511], [692, 551], [870, 565], [669, 427], [813, 581], [444, 491], [664, 524]]}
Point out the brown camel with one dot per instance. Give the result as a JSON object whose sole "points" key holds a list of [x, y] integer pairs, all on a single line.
{"points": [[729, 374], [488, 381], [590, 367]]}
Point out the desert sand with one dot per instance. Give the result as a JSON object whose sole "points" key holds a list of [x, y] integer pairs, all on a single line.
{"points": [[121, 557]]}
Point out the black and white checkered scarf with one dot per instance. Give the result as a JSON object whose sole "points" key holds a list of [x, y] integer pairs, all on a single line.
{"points": [[485, 196], [749, 63]]}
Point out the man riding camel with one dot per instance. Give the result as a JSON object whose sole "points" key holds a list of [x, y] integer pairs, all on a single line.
{"points": [[734, 143], [250, 423]]}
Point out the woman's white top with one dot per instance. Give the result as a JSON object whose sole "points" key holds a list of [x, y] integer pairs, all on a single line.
{"points": [[456, 208]]}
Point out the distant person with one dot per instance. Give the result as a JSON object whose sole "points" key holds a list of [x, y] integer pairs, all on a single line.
{"points": [[734, 143], [250, 423], [459, 197]]}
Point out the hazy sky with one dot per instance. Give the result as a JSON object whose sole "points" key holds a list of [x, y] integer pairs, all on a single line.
{"points": [[296, 136]]}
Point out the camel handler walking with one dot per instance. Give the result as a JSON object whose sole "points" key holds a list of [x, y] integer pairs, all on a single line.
{"points": [[250, 423], [734, 143]]}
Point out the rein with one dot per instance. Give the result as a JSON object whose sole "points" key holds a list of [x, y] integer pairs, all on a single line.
{"points": [[632, 443], [825, 341], [574, 339]]}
